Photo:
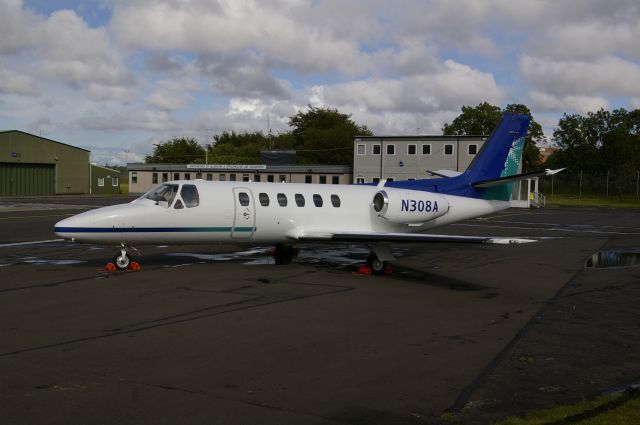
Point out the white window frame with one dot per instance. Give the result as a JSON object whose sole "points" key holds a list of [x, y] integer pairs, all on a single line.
{"points": [[373, 149], [100, 181], [392, 145], [415, 147], [364, 149], [453, 149], [469, 147], [430, 149], [115, 181]]}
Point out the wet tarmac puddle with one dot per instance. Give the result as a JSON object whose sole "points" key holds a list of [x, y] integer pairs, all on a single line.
{"points": [[613, 258]]}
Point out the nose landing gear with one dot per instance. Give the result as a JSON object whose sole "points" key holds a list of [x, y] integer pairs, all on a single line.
{"points": [[122, 260]]}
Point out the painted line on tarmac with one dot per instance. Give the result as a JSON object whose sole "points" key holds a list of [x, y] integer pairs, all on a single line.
{"points": [[6, 245]]}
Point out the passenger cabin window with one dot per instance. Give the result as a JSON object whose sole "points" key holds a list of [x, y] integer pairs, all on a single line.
{"points": [[335, 201], [317, 200], [164, 193], [189, 194], [299, 200], [282, 199], [264, 199], [243, 197]]}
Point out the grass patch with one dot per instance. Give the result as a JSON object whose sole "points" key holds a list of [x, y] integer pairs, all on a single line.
{"points": [[619, 409], [592, 201]]}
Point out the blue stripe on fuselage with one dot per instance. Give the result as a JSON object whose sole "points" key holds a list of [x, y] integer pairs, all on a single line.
{"points": [[152, 229]]}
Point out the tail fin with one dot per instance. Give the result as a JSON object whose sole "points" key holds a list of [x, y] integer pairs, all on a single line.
{"points": [[500, 156]]}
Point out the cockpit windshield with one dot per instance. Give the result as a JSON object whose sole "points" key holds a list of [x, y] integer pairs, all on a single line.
{"points": [[163, 193]]}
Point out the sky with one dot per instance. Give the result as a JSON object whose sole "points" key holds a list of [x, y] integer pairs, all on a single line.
{"points": [[118, 76]]}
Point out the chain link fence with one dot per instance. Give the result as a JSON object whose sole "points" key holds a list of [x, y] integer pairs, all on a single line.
{"points": [[607, 184]]}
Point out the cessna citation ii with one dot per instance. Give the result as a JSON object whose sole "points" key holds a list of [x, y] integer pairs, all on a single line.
{"points": [[203, 212]]}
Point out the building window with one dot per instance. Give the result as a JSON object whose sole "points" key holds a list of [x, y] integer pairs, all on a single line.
{"points": [[282, 199], [256, 177], [376, 180], [299, 200], [390, 179], [322, 180], [270, 178], [308, 179], [391, 149], [317, 200], [335, 179], [360, 180], [282, 178], [134, 178], [187, 176], [426, 149], [473, 149], [264, 199], [232, 177], [165, 177], [115, 182], [361, 149], [376, 149], [209, 177], [222, 177], [245, 177], [448, 149], [100, 181], [411, 149], [154, 178], [335, 201], [176, 176], [199, 175]]}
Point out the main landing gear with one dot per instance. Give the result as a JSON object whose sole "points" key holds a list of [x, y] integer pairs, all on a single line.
{"points": [[283, 254], [377, 266]]}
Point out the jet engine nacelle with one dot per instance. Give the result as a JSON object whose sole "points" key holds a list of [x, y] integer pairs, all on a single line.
{"points": [[409, 206]]}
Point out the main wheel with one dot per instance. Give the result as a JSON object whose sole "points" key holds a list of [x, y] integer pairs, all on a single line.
{"points": [[376, 265], [283, 254], [122, 261]]}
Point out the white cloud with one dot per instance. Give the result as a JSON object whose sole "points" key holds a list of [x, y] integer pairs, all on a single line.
{"points": [[580, 104], [606, 76], [12, 82]]}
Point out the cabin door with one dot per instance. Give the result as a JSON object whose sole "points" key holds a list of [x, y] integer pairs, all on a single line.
{"points": [[244, 220]]}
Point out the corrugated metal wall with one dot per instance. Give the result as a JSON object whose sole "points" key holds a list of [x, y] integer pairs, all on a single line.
{"points": [[27, 179]]}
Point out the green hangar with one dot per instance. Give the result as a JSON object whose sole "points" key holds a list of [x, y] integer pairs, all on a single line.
{"points": [[33, 165]]}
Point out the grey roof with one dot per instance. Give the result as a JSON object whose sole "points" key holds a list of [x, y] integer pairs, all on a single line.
{"points": [[311, 168], [423, 137]]}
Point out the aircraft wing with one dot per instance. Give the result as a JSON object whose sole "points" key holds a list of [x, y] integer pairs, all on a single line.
{"points": [[369, 237]]}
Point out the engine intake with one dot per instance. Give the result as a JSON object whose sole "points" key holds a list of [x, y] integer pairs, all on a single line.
{"points": [[408, 206]]}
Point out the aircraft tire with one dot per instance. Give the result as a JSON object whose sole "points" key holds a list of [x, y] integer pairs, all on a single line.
{"points": [[377, 266], [122, 262]]}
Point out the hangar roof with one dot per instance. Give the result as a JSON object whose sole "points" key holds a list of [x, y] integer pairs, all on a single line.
{"points": [[43, 138]]}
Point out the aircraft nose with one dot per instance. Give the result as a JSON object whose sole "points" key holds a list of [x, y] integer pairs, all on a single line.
{"points": [[70, 227]]}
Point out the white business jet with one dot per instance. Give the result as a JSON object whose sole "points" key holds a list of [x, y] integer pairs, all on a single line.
{"points": [[203, 212]]}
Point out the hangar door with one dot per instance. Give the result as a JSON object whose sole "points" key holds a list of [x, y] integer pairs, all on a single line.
{"points": [[18, 179]]}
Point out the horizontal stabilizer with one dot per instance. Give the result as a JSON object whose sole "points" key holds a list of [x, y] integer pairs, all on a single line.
{"points": [[503, 180], [444, 173]]}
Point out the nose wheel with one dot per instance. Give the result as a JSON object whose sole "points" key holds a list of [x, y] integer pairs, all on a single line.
{"points": [[122, 260]]}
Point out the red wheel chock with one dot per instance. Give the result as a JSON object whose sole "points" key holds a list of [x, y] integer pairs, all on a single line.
{"points": [[134, 266], [110, 267], [363, 270]]}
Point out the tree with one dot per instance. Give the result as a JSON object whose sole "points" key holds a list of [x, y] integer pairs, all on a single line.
{"points": [[325, 136], [484, 118], [179, 150]]}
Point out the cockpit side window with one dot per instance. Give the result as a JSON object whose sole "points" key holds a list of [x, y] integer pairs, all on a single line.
{"points": [[189, 194], [163, 193]]}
